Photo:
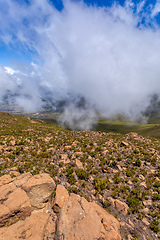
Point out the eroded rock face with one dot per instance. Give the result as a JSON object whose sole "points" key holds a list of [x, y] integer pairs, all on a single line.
{"points": [[5, 179], [39, 189], [27, 212], [33, 227], [79, 219], [15, 204], [60, 199], [22, 179]]}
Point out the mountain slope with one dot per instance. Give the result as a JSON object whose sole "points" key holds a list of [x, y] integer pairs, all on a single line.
{"points": [[120, 172]]}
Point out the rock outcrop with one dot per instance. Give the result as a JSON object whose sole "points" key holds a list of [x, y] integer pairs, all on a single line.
{"points": [[29, 209], [120, 206], [80, 219], [34, 227], [39, 189]]}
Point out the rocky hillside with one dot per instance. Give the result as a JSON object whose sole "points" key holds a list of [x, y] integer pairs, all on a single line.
{"points": [[120, 173]]}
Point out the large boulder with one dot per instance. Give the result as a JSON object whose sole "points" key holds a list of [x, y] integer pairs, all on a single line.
{"points": [[15, 205], [79, 219], [120, 206], [39, 189], [27, 212], [34, 227]]}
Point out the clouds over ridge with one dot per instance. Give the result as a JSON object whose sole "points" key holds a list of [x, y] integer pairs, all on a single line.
{"points": [[105, 55]]}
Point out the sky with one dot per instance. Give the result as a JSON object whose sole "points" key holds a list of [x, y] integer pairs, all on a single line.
{"points": [[96, 56], [9, 53]]}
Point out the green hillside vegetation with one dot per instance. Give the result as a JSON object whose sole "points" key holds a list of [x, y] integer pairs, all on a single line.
{"points": [[99, 166], [151, 130]]}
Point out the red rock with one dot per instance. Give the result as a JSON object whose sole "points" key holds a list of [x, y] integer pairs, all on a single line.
{"points": [[79, 164], [4, 214], [79, 219], [5, 190], [32, 228], [5, 179], [17, 206], [121, 207], [39, 189], [76, 217], [22, 179], [145, 221], [61, 198]]}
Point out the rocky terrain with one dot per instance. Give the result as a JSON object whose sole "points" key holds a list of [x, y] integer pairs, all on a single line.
{"points": [[114, 176], [32, 207]]}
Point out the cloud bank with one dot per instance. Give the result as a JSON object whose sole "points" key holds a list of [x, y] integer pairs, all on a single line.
{"points": [[108, 56]]}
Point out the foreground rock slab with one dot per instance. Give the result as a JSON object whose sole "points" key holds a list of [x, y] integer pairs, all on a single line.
{"points": [[79, 219], [32, 228], [15, 204], [29, 210]]}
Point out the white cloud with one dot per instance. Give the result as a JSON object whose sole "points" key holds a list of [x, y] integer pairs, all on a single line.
{"points": [[9, 70], [97, 53], [156, 9]]}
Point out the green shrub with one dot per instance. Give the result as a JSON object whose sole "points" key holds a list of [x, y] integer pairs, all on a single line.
{"points": [[13, 176], [71, 179], [61, 164], [107, 204], [52, 174], [20, 170], [83, 184], [69, 171], [136, 151], [129, 173], [73, 189], [135, 180], [116, 179], [154, 226], [1, 167], [82, 174], [113, 163], [134, 203], [35, 172], [95, 172], [156, 196], [138, 163], [100, 184], [156, 184]]}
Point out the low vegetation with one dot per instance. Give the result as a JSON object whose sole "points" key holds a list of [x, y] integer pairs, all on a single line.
{"points": [[99, 166], [151, 129]]}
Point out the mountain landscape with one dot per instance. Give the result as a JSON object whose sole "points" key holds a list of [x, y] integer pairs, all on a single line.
{"points": [[50, 175], [79, 120]]}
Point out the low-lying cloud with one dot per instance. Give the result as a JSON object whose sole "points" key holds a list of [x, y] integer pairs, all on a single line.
{"points": [[107, 55]]}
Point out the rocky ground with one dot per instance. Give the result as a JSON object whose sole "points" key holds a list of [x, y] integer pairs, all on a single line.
{"points": [[32, 207], [121, 173]]}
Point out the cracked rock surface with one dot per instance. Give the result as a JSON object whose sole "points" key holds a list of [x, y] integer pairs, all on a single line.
{"points": [[28, 210], [80, 219]]}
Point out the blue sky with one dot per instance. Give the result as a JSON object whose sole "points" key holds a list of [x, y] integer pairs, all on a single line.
{"points": [[9, 53], [59, 3]]}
